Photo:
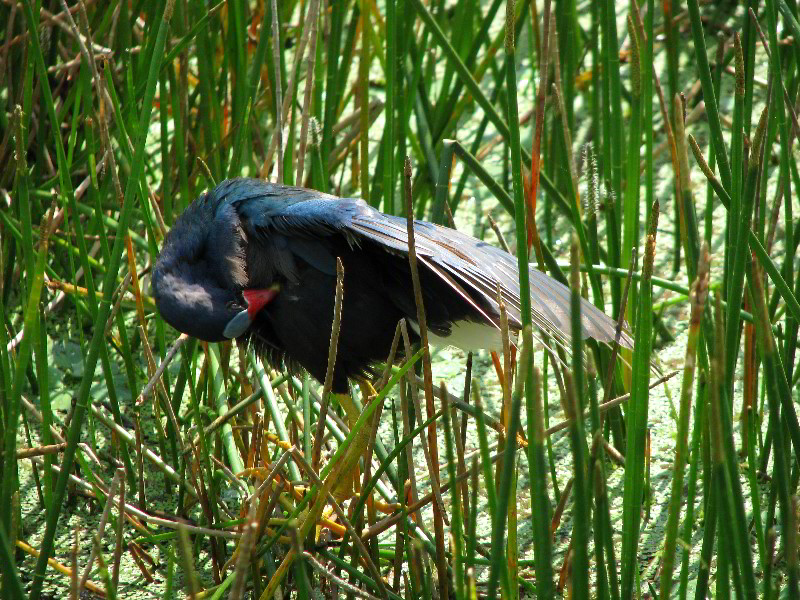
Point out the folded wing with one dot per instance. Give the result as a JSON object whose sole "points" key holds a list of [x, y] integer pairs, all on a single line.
{"points": [[471, 267]]}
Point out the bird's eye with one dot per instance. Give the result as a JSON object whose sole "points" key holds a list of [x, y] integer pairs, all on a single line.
{"points": [[237, 304]]}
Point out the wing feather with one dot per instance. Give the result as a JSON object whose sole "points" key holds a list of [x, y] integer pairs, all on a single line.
{"points": [[472, 268], [481, 267]]}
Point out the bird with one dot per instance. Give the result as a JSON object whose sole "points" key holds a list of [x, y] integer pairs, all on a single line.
{"points": [[256, 261]]}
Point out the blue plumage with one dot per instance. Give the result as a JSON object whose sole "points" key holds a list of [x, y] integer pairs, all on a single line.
{"points": [[248, 234]]}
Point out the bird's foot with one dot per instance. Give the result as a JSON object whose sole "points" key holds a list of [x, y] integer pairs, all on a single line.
{"points": [[344, 474], [348, 481]]}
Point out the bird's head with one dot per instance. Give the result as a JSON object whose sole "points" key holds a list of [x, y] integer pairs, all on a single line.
{"points": [[200, 273]]}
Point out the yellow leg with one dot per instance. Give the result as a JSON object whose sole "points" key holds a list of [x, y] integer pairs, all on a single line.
{"points": [[334, 483], [348, 476]]}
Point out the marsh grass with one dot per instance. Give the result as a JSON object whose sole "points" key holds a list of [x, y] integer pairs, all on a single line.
{"points": [[116, 115]]}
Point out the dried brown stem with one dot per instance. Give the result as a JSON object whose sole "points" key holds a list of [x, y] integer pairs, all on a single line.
{"points": [[310, 30], [332, 349], [438, 513], [418, 412]]}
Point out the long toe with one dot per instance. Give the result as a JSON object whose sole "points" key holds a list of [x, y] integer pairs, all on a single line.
{"points": [[349, 478]]}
